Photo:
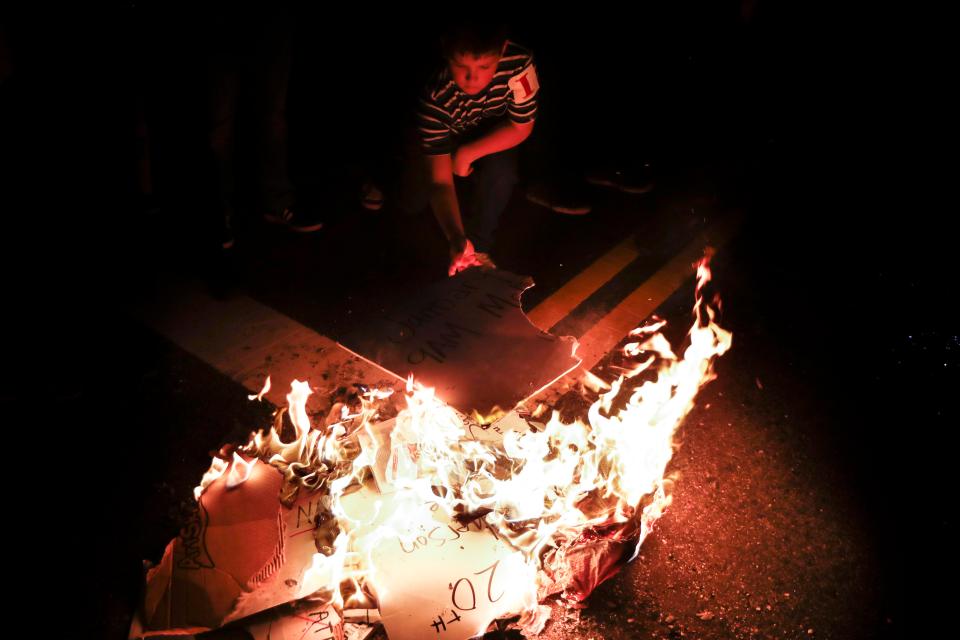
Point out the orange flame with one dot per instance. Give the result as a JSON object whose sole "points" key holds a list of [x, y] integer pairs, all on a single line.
{"points": [[239, 471], [538, 490], [264, 391]]}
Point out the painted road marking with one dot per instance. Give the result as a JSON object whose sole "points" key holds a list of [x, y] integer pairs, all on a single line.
{"points": [[645, 299], [565, 299]]}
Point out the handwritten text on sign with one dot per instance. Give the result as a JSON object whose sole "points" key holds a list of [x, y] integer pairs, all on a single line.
{"points": [[451, 584], [468, 338]]}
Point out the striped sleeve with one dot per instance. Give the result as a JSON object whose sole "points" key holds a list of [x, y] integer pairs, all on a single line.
{"points": [[523, 94], [433, 125]]}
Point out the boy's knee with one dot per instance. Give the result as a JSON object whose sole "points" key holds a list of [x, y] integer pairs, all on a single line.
{"points": [[500, 170]]}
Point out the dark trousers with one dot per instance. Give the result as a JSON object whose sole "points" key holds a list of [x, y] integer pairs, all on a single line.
{"points": [[483, 195], [490, 187], [249, 63]]}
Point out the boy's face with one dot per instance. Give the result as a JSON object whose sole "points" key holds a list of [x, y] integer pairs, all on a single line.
{"points": [[471, 72]]}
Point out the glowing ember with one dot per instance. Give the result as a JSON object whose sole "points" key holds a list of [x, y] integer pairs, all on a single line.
{"points": [[539, 492]]}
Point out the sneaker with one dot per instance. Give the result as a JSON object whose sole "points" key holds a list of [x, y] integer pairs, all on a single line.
{"points": [[226, 234], [567, 204], [572, 207], [371, 197], [295, 220], [604, 178], [639, 180]]}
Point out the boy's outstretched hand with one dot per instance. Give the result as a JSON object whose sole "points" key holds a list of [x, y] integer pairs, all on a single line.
{"points": [[462, 163], [463, 257]]}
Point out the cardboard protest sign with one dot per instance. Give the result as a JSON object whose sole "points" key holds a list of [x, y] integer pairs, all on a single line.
{"points": [[467, 337], [242, 553], [440, 578], [450, 583], [495, 431], [314, 620]]}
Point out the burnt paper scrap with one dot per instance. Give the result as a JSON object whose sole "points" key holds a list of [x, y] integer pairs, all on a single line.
{"points": [[467, 337], [377, 443], [241, 554]]}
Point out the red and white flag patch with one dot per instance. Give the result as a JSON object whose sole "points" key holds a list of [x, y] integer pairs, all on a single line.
{"points": [[524, 85]]}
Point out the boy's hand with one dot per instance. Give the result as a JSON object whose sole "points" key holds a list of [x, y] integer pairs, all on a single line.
{"points": [[462, 163], [462, 257]]}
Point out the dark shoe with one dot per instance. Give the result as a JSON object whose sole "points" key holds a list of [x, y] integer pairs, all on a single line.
{"points": [[604, 178], [371, 197], [572, 207], [295, 220], [638, 180], [567, 204], [634, 180], [148, 204], [226, 234]]}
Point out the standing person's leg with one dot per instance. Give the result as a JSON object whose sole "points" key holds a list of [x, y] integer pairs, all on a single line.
{"points": [[494, 178], [270, 77], [222, 96], [412, 189]]}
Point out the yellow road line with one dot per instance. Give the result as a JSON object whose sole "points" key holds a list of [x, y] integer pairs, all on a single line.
{"points": [[565, 299], [638, 306]]}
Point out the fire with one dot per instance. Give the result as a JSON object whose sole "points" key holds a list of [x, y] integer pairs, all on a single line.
{"points": [[495, 414], [264, 391], [239, 471], [539, 491], [218, 467]]}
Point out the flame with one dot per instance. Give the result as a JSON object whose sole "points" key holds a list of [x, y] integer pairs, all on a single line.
{"points": [[239, 471], [263, 392], [495, 414], [594, 383], [217, 468], [539, 491]]}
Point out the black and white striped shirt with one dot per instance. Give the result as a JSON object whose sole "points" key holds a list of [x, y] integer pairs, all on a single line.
{"points": [[446, 112]]}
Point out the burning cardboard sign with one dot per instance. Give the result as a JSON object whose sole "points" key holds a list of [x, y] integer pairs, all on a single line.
{"points": [[468, 338], [318, 620], [439, 577], [441, 527], [242, 553]]}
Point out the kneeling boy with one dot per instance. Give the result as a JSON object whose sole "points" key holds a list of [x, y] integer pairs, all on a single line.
{"points": [[474, 114]]}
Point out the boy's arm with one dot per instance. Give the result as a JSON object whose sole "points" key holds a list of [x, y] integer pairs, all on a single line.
{"points": [[446, 209], [502, 137], [443, 198]]}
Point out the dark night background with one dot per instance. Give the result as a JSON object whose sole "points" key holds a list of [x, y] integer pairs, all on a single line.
{"points": [[798, 117]]}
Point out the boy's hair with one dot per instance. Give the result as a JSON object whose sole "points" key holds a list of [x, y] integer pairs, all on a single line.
{"points": [[476, 38]]}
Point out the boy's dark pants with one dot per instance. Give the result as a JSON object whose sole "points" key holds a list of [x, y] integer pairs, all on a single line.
{"points": [[483, 195]]}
